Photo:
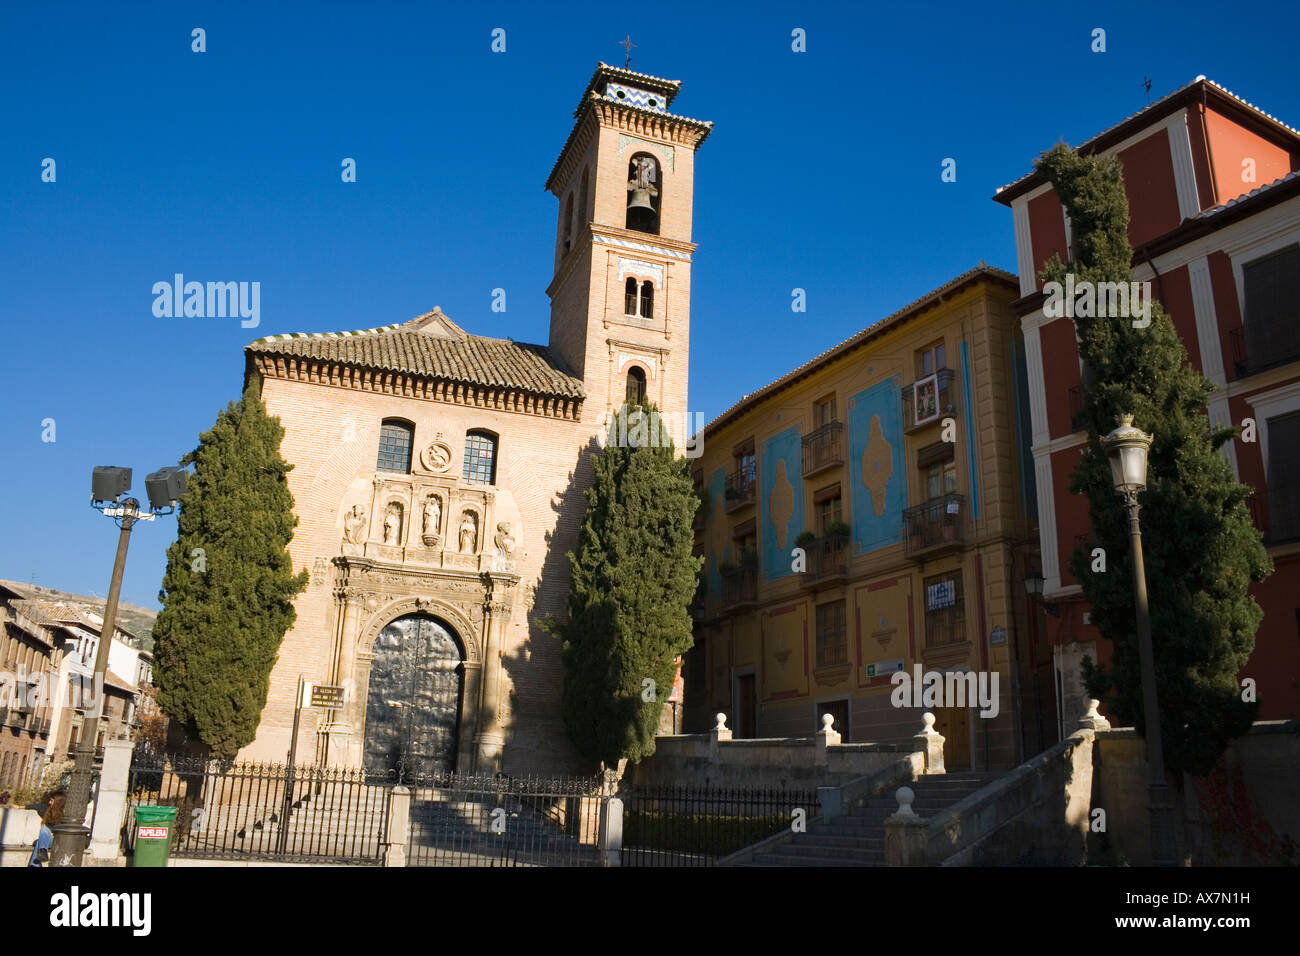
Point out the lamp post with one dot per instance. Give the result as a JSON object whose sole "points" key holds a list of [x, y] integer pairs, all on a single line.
{"points": [[1127, 448], [108, 485]]}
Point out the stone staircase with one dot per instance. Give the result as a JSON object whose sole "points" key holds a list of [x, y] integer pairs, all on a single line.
{"points": [[858, 838]]}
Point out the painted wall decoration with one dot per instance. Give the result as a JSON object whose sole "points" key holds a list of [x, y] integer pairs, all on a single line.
{"points": [[781, 498], [878, 487]]}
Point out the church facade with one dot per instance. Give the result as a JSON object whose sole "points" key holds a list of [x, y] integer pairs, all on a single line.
{"points": [[439, 475]]}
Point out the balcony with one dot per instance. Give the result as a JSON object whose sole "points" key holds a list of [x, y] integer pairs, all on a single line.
{"points": [[1276, 512], [739, 590], [1270, 351], [934, 408], [934, 527], [741, 490], [827, 562], [823, 448]]}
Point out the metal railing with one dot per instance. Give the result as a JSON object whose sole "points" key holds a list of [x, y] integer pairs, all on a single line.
{"points": [[696, 826], [253, 810], [740, 587], [826, 558], [946, 400], [823, 448], [936, 522], [1276, 512], [1244, 363], [505, 821], [741, 489]]}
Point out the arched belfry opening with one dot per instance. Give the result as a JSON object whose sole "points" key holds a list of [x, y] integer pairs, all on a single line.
{"points": [[635, 386], [414, 698], [644, 193]]}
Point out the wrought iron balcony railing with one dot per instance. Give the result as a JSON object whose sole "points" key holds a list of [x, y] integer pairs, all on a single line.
{"points": [[934, 405], [827, 560], [823, 448], [1276, 512], [740, 587], [935, 525], [741, 489], [1246, 361]]}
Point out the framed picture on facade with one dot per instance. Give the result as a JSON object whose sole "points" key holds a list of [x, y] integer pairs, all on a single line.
{"points": [[925, 400]]}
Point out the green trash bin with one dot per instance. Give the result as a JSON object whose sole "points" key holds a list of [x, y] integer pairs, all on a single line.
{"points": [[153, 835]]}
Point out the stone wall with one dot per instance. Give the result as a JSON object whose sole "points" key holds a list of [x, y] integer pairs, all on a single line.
{"points": [[1246, 812], [700, 759]]}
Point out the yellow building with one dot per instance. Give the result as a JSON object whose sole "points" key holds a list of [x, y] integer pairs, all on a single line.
{"points": [[870, 513]]}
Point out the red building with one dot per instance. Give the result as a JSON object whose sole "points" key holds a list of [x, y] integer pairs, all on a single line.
{"points": [[1214, 196]]}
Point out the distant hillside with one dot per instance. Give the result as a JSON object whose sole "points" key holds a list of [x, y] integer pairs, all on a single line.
{"points": [[137, 620]]}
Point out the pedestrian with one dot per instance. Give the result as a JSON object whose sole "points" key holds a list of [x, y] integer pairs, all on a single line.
{"points": [[5, 797], [52, 818]]}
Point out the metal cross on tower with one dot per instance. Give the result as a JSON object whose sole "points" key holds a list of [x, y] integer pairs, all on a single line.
{"points": [[628, 46]]}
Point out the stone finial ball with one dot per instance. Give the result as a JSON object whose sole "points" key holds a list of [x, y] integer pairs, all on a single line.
{"points": [[904, 796], [722, 721], [828, 722], [928, 719]]}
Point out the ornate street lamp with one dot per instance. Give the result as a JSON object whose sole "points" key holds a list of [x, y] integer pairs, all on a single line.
{"points": [[1127, 448]]}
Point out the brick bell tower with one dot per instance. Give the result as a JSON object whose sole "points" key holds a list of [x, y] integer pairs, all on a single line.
{"points": [[621, 293]]}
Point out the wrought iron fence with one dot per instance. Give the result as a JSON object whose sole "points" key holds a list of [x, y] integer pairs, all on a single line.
{"points": [[696, 826], [459, 820], [262, 810]]}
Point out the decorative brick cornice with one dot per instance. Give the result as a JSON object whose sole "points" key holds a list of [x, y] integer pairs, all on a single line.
{"points": [[314, 371]]}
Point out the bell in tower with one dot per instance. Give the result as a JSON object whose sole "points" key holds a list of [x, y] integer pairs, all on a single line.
{"points": [[643, 194]]}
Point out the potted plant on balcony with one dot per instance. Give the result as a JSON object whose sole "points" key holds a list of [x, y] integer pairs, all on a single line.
{"points": [[805, 540], [727, 569], [837, 533]]}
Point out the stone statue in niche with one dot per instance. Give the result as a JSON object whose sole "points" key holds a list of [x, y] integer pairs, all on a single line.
{"points": [[354, 525], [505, 543], [468, 532], [392, 523], [432, 520]]}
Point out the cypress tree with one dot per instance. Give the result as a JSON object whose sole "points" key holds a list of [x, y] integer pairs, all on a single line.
{"points": [[1201, 548], [633, 576], [229, 585]]}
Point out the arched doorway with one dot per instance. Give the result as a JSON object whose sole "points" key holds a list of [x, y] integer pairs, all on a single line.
{"points": [[414, 697]]}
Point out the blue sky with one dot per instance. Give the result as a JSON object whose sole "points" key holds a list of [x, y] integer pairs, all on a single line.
{"points": [[823, 173]]}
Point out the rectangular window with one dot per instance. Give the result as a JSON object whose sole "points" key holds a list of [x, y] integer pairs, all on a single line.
{"points": [[1283, 481], [832, 644], [824, 412], [945, 615], [1272, 308], [930, 360], [828, 512], [940, 480]]}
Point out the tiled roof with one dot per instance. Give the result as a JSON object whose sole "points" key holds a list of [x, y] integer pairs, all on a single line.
{"points": [[1260, 190], [1129, 121], [857, 339], [432, 345]]}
